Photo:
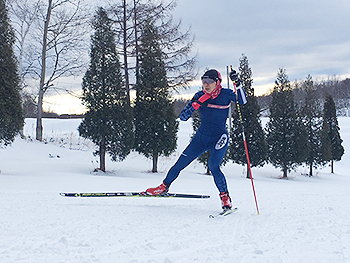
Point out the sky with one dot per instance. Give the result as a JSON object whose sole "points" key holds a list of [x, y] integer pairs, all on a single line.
{"points": [[304, 37]]}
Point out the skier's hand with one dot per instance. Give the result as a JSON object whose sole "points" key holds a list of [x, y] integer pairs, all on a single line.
{"points": [[238, 82], [234, 75]]}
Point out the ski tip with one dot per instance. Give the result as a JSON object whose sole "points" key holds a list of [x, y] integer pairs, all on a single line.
{"points": [[224, 213]]}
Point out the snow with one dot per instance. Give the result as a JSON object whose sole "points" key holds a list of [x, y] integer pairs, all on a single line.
{"points": [[302, 219]]}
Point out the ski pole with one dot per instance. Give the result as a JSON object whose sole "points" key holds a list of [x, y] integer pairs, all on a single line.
{"points": [[245, 142], [230, 108]]}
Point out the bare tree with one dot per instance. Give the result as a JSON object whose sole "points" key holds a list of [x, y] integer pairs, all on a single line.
{"points": [[176, 46], [24, 13], [52, 39], [42, 89], [61, 33]]}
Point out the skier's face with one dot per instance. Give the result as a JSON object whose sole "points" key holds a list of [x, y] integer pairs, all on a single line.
{"points": [[208, 86]]}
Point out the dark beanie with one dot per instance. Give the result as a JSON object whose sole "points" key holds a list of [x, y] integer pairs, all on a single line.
{"points": [[212, 74]]}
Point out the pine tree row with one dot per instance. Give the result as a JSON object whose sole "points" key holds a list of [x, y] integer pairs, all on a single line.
{"points": [[292, 136], [150, 127]]}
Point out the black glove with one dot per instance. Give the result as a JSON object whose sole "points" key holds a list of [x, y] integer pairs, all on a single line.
{"points": [[234, 77], [238, 82]]}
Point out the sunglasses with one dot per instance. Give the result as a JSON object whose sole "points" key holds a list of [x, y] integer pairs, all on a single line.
{"points": [[207, 80]]}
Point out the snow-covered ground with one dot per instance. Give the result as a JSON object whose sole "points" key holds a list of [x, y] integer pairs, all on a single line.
{"points": [[301, 220]]}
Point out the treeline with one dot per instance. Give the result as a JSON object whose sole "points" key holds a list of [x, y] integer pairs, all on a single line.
{"points": [[112, 122], [300, 130], [134, 45], [142, 33], [52, 43], [339, 89]]}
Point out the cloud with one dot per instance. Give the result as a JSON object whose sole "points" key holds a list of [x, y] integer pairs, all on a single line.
{"points": [[305, 37]]}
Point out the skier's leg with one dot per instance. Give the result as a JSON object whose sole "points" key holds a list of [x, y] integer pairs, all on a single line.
{"points": [[192, 151], [217, 154]]}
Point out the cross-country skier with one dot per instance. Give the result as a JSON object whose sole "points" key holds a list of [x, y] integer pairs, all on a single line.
{"points": [[213, 103]]}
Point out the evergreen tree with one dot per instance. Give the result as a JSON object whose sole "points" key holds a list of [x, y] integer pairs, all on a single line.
{"points": [[108, 122], [332, 149], [11, 113], [286, 136], [155, 121], [312, 120], [254, 132]]}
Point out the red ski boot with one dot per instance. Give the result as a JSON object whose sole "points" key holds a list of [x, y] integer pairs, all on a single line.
{"points": [[159, 190], [225, 201]]}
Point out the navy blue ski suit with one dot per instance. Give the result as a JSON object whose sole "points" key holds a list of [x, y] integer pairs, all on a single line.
{"points": [[211, 135]]}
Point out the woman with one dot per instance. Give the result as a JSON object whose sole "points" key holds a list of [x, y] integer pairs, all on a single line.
{"points": [[213, 103]]}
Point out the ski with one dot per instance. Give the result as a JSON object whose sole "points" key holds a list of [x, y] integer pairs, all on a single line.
{"points": [[224, 213], [133, 194]]}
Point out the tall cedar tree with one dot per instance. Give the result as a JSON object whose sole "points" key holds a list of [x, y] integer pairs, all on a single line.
{"points": [[286, 136], [312, 120], [204, 158], [155, 121], [108, 123], [11, 114], [332, 149], [254, 132]]}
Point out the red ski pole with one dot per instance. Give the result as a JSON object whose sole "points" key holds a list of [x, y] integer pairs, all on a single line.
{"points": [[245, 142]]}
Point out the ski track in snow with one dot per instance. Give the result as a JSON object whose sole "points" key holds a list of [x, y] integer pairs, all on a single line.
{"points": [[301, 220]]}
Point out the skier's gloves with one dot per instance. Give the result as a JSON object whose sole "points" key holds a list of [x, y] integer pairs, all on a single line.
{"points": [[233, 75], [238, 82]]}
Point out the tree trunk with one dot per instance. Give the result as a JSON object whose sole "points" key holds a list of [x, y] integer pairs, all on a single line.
{"points": [[155, 162], [39, 117], [332, 166], [310, 172], [136, 44], [208, 171], [285, 173], [125, 54], [248, 175], [103, 155], [39, 127]]}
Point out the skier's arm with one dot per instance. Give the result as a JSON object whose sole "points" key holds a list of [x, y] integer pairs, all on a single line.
{"points": [[186, 113], [197, 101], [242, 98]]}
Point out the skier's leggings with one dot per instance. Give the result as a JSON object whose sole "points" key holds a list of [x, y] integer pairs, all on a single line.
{"points": [[217, 145]]}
